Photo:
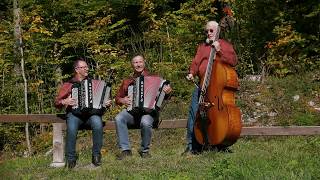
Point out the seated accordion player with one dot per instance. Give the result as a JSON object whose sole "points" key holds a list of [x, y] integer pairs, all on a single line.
{"points": [[91, 96], [147, 93]]}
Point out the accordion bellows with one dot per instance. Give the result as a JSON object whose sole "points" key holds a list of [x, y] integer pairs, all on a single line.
{"points": [[147, 93], [91, 96]]}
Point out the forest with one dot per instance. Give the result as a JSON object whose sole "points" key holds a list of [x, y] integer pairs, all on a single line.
{"points": [[39, 40]]}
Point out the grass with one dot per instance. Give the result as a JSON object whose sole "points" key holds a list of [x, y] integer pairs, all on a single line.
{"points": [[252, 158]]}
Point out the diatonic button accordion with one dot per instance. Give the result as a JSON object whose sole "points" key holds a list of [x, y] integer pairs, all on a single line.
{"points": [[146, 93], [91, 96]]}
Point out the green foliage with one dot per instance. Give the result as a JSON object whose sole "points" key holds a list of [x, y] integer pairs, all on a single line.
{"points": [[295, 48], [12, 139], [273, 35]]}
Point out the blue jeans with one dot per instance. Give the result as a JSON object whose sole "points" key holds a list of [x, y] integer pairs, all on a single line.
{"points": [[192, 116], [73, 123], [123, 119]]}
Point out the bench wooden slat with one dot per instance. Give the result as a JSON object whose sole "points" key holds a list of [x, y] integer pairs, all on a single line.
{"points": [[175, 123], [38, 118]]}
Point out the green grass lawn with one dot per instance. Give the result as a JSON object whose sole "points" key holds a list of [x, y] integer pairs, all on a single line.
{"points": [[252, 158]]}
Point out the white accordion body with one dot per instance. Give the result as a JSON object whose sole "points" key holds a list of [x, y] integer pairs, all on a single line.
{"points": [[91, 96], [147, 93]]}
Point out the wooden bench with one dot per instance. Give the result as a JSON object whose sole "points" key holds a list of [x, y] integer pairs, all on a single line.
{"points": [[58, 123]]}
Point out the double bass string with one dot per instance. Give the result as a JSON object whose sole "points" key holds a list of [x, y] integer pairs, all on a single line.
{"points": [[207, 76]]}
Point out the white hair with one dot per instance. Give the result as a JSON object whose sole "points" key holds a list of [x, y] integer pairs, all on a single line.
{"points": [[212, 23]]}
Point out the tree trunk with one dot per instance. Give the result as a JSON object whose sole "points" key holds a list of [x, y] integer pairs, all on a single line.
{"points": [[19, 53]]}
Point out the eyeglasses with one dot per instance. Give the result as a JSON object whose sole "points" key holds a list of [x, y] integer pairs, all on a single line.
{"points": [[82, 67], [209, 30]]}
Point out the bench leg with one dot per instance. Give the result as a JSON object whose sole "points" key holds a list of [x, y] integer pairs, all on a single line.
{"points": [[58, 145]]}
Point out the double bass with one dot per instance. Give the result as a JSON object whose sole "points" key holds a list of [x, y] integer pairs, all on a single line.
{"points": [[218, 119]]}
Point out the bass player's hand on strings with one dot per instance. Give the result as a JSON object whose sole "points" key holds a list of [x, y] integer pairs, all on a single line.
{"points": [[216, 46]]}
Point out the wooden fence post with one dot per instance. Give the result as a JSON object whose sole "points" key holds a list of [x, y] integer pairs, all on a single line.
{"points": [[58, 145]]}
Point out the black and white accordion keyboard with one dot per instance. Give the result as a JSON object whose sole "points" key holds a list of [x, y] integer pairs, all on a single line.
{"points": [[91, 96], [147, 93]]}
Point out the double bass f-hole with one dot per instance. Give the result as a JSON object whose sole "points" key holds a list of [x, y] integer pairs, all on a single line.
{"points": [[220, 107]]}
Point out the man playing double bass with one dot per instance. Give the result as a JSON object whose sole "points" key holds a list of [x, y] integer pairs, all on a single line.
{"points": [[225, 52]]}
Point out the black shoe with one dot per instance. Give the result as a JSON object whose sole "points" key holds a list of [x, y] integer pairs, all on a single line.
{"points": [[96, 160], [124, 154], [145, 154], [71, 164]]}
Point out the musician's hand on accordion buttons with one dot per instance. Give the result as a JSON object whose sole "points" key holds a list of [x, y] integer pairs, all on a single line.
{"points": [[167, 89], [69, 101], [108, 103]]}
